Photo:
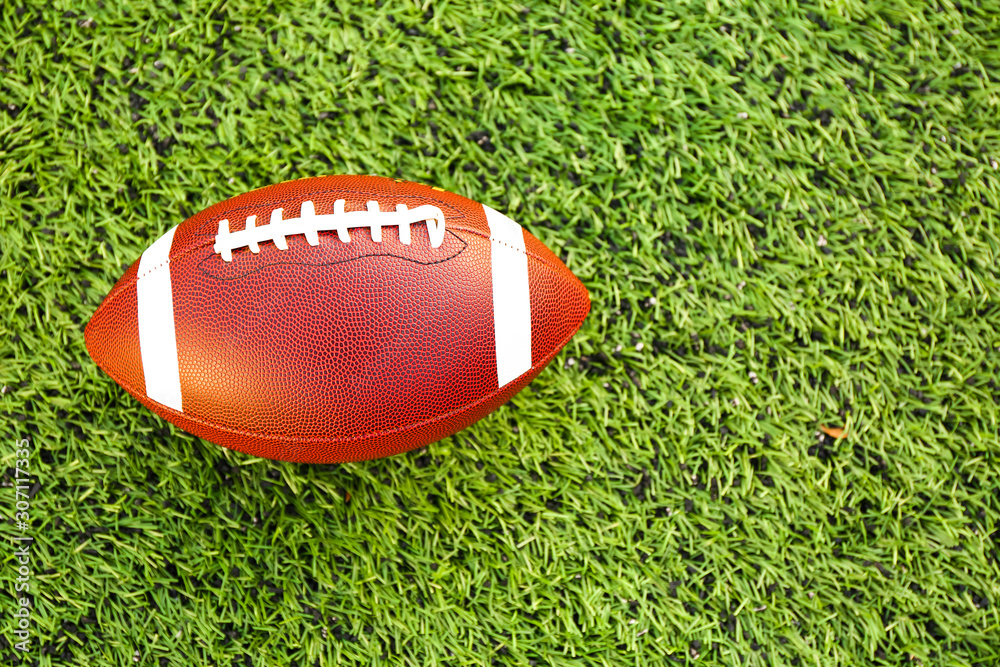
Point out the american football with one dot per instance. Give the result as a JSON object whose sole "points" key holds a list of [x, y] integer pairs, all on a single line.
{"points": [[337, 318]]}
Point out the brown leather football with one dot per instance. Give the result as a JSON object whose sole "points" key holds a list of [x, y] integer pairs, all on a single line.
{"points": [[335, 319]]}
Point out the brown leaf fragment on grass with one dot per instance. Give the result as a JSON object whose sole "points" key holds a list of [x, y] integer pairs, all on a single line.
{"points": [[834, 432]]}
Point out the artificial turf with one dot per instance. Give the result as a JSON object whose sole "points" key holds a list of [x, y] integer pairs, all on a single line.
{"points": [[785, 213]]}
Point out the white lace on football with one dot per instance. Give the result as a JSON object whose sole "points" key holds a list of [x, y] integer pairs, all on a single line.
{"points": [[310, 224]]}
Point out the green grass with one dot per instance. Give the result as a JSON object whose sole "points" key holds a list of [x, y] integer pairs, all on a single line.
{"points": [[786, 215]]}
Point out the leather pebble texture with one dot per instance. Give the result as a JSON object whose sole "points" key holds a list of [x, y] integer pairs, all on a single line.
{"points": [[336, 351]]}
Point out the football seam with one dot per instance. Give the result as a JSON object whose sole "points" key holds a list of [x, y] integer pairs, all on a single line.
{"points": [[302, 198], [465, 246], [306, 441], [115, 292], [538, 258], [211, 238]]}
